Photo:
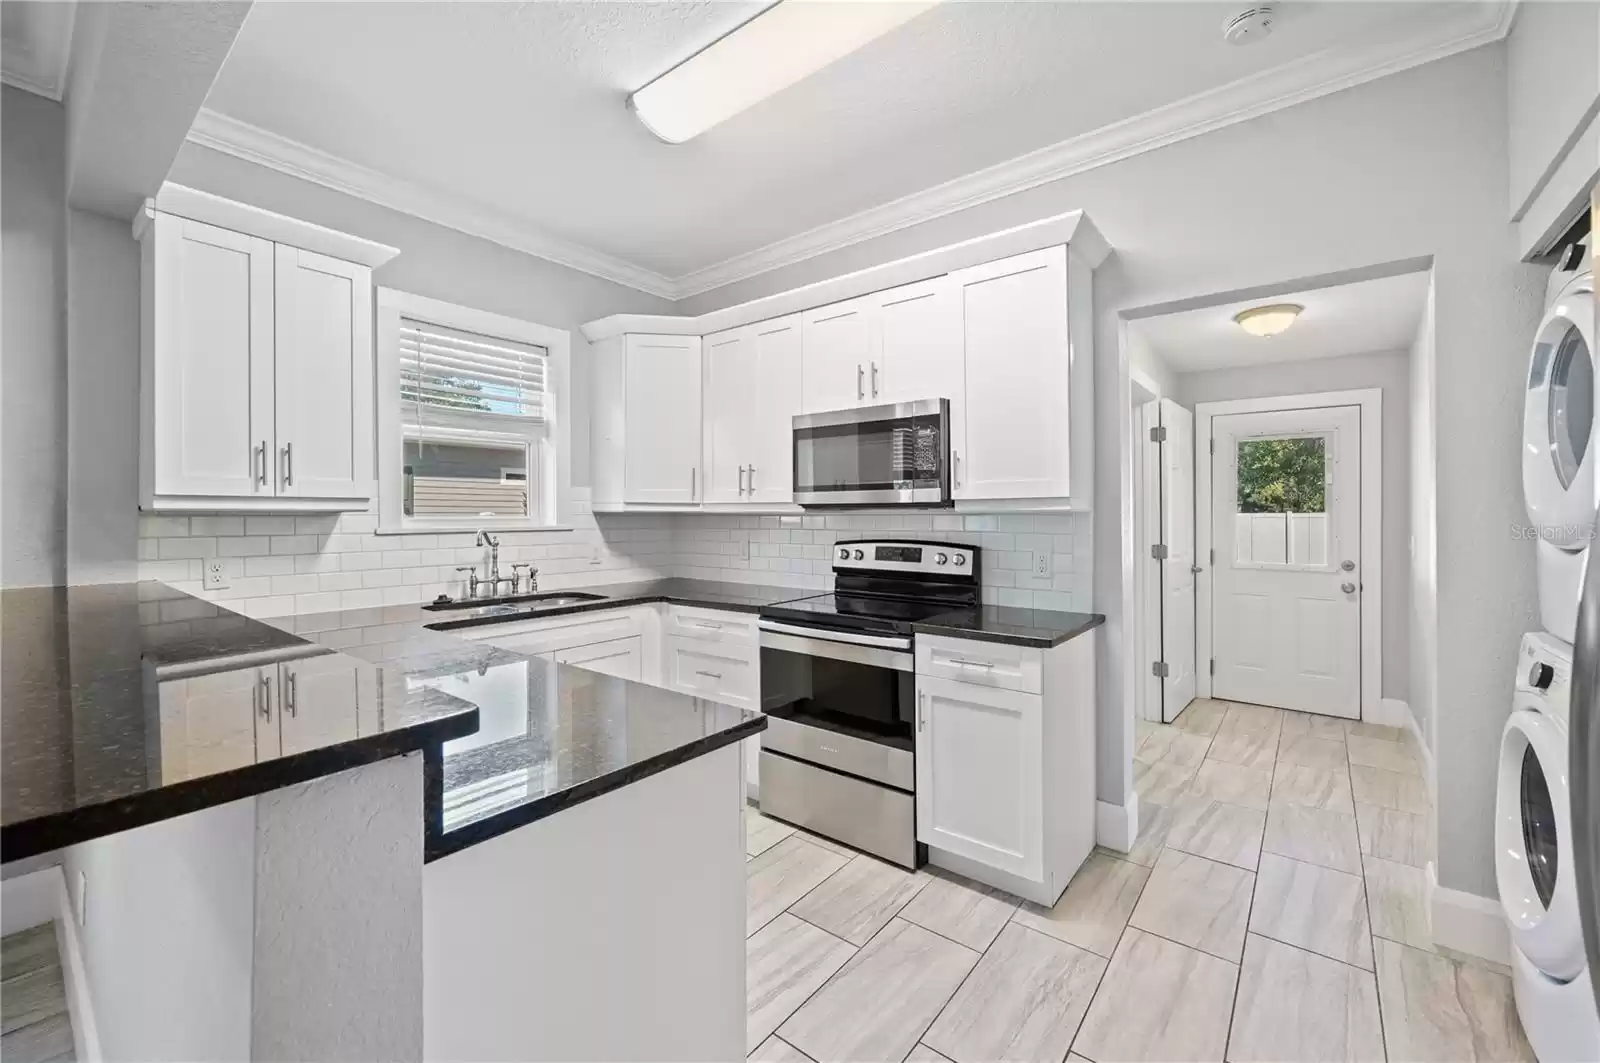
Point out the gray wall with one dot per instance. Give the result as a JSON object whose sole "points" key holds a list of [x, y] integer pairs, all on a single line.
{"points": [[1407, 167], [1388, 371], [33, 394]]}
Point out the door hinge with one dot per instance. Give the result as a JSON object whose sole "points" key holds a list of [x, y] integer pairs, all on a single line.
{"points": [[1158, 434], [1159, 551], [1213, 666], [1211, 445], [1158, 669], [1213, 553]]}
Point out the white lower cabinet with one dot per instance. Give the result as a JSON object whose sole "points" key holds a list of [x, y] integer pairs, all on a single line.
{"points": [[721, 672], [623, 658]]}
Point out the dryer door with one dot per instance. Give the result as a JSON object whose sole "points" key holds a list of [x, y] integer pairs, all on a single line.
{"points": [[1558, 421], [1533, 844]]}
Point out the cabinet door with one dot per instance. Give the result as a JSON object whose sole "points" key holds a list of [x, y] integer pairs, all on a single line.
{"points": [[210, 361], [731, 381], [209, 723], [838, 344], [924, 353], [320, 700], [778, 357], [980, 789], [662, 459], [1018, 368], [623, 658], [324, 376]]}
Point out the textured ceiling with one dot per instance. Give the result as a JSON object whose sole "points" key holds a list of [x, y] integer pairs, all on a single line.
{"points": [[520, 107]]}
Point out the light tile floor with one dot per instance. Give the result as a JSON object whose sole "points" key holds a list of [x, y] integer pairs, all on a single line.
{"points": [[1274, 908]]}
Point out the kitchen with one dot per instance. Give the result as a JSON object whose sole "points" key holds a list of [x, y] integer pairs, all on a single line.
{"points": [[948, 701]]}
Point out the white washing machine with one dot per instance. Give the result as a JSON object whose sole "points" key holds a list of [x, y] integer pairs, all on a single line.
{"points": [[1558, 446], [1534, 860]]}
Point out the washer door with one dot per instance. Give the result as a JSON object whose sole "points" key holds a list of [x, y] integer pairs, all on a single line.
{"points": [[1533, 844], [1558, 420]]}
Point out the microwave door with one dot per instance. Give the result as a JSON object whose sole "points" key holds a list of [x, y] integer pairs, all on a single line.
{"points": [[874, 456]]}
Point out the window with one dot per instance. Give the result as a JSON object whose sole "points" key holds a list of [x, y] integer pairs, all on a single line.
{"points": [[1282, 501], [470, 427]]}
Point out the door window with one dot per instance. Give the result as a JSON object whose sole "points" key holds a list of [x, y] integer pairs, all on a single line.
{"points": [[1571, 404], [1539, 828], [1282, 516]]}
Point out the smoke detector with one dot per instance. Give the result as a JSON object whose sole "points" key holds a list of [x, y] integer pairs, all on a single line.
{"points": [[1251, 24]]}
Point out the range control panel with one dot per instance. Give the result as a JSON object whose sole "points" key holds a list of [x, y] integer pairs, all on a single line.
{"points": [[900, 556]]}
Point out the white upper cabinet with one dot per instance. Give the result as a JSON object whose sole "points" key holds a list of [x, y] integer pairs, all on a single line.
{"points": [[731, 382], [1018, 361], [256, 363], [662, 447], [780, 376], [840, 345]]}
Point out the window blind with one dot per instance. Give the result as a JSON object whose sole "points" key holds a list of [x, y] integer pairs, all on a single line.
{"points": [[447, 369]]}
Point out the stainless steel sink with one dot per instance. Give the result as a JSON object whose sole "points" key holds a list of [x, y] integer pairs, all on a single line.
{"points": [[555, 601], [521, 603]]}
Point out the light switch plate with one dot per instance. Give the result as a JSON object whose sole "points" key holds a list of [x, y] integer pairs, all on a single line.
{"points": [[216, 574]]}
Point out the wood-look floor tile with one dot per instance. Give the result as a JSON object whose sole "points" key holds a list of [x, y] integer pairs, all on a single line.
{"points": [[761, 833], [32, 997], [782, 875], [1307, 723], [1316, 908], [1154, 821], [1377, 753], [1217, 831], [1173, 745], [1397, 895], [1315, 836], [1142, 730], [879, 1003], [1389, 789], [857, 900], [1202, 716], [923, 1054], [28, 950], [1312, 752], [785, 962], [1161, 782], [1232, 783], [1159, 1001], [1197, 902], [1094, 908], [1250, 743], [1439, 1009], [1298, 1007], [1023, 1001], [39, 1042], [828, 844], [960, 909], [776, 1050], [1325, 788], [1255, 717], [1375, 730], [1389, 834]]}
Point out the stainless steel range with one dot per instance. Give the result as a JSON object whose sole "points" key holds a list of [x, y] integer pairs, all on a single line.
{"points": [[839, 691]]}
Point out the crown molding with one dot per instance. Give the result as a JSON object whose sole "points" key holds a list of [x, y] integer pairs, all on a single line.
{"points": [[1321, 74], [241, 140]]}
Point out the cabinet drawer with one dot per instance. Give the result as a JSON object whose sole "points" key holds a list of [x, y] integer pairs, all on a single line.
{"points": [[990, 664], [717, 671], [712, 625], [556, 633], [621, 657]]}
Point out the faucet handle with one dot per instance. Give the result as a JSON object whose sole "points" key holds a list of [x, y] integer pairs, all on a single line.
{"points": [[472, 579]]}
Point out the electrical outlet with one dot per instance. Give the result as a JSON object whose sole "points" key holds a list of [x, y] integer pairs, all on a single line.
{"points": [[216, 575], [1041, 563], [594, 555]]}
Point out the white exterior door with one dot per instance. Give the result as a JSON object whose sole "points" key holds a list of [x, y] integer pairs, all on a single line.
{"points": [[210, 398], [770, 477], [1018, 368], [732, 380], [1178, 567], [323, 376], [1286, 521], [840, 343], [980, 783], [662, 463]]}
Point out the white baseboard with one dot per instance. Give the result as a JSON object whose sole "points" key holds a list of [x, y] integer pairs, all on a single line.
{"points": [[1466, 922], [1116, 827], [1391, 712], [41, 897]]}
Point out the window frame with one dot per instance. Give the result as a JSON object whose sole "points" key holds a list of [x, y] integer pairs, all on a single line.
{"points": [[549, 460]]}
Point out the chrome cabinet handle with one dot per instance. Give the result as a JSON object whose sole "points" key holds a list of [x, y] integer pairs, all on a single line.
{"points": [[971, 664], [694, 483], [861, 387], [752, 479], [264, 695], [710, 675], [741, 479], [288, 464], [958, 469], [705, 624], [261, 463], [874, 379], [288, 695], [922, 701]]}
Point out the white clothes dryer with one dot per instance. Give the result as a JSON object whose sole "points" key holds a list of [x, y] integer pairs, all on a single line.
{"points": [[1534, 859], [1558, 446]]}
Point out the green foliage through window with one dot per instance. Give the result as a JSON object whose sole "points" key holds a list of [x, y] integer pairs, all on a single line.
{"points": [[1282, 476]]}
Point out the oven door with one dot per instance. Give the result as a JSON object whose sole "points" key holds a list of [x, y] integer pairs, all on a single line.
{"points": [[842, 700], [874, 456]]}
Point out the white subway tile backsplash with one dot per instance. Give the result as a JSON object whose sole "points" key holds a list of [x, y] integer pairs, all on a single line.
{"points": [[268, 566], [269, 525], [216, 525], [192, 546]]}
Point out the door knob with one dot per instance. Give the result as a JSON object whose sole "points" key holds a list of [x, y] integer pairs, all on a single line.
{"points": [[1195, 570], [1348, 588], [1348, 566]]}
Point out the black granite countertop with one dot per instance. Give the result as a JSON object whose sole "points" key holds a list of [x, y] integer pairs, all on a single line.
{"points": [[125, 704], [1036, 628], [738, 597]]}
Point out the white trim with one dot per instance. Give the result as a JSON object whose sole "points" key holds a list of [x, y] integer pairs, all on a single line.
{"points": [[41, 897], [240, 217], [1383, 53], [1396, 713], [1116, 827], [392, 305], [1072, 228], [1370, 400], [1466, 922], [241, 140], [1145, 617]]}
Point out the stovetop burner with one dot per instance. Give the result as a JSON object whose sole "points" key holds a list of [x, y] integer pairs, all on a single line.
{"points": [[887, 585]]}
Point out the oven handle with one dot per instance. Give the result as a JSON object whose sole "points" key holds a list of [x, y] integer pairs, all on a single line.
{"points": [[872, 656], [886, 642]]}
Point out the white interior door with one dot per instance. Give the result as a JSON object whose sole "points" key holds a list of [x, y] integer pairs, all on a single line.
{"points": [[1178, 568], [1286, 613]]}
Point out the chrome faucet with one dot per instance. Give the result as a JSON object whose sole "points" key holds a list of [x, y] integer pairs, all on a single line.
{"points": [[494, 579]]}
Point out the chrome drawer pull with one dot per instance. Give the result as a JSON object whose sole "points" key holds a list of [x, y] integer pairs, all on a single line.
{"points": [[710, 675], [971, 664]]}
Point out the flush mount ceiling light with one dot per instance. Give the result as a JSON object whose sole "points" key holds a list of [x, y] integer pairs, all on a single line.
{"points": [[788, 41], [1268, 320]]}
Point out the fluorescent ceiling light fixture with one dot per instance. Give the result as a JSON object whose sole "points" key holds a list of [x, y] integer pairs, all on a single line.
{"points": [[788, 41], [1268, 320]]}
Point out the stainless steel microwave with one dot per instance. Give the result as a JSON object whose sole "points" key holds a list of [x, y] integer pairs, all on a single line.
{"points": [[894, 455]]}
